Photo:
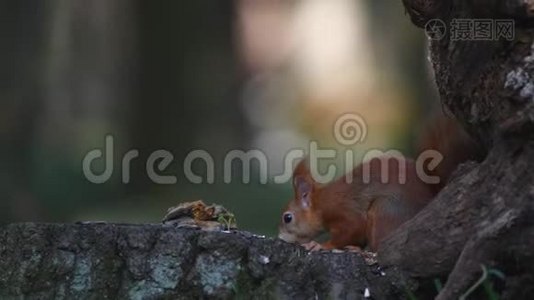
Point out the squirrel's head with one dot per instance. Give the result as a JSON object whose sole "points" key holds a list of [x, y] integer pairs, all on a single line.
{"points": [[300, 221]]}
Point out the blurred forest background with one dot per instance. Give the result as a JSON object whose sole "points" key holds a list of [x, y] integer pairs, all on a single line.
{"points": [[184, 75]]}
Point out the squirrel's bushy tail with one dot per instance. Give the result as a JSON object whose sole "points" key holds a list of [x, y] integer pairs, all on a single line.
{"points": [[445, 135]]}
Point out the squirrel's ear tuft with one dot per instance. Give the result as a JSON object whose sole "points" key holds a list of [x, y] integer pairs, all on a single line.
{"points": [[303, 184], [302, 169]]}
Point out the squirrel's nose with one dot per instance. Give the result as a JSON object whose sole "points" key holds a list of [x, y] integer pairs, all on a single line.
{"points": [[286, 237]]}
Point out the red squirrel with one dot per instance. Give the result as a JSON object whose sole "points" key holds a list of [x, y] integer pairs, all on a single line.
{"points": [[363, 212]]}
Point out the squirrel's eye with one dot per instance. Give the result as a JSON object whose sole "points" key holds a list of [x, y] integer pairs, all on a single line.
{"points": [[288, 217]]}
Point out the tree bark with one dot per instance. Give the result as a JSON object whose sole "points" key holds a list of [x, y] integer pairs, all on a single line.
{"points": [[484, 217], [112, 261]]}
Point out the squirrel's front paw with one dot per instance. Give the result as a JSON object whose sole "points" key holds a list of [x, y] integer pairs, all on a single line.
{"points": [[312, 246], [355, 249]]}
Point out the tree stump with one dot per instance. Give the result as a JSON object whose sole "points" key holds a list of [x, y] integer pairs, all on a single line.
{"points": [[113, 261]]}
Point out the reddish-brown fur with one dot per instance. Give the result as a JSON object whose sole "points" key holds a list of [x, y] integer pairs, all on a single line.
{"points": [[362, 213]]}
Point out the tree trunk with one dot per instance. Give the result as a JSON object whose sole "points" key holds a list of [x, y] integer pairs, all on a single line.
{"points": [[484, 217]]}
